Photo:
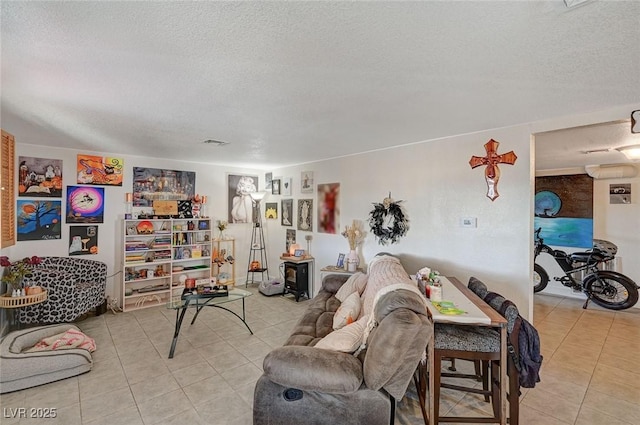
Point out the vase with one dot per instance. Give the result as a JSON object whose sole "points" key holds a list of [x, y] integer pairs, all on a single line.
{"points": [[352, 261]]}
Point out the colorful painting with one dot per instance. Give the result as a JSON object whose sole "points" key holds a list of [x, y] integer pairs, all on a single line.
{"points": [[564, 210], [151, 184], [39, 177], [271, 211], [85, 204], [39, 220], [240, 202], [83, 240], [328, 208], [305, 214], [306, 182], [99, 170], [287, 212]]}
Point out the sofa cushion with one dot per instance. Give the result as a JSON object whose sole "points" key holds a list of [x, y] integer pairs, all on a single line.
{"points": [[312, 369], [346, 339], [356, 282], [348, 312]]}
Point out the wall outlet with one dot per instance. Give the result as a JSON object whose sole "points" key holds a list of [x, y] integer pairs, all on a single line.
{"points": [[469, 222]]}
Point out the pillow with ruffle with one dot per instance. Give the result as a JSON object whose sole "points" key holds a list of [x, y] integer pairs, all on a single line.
{"points": [[347, 339], [348, 312], [356, 282]]}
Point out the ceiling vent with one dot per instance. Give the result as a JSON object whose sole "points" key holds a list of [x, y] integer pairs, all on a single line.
{"points": [[611, 171]]}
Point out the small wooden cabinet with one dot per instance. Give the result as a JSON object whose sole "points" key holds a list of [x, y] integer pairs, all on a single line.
{"points": [[296, 278]]}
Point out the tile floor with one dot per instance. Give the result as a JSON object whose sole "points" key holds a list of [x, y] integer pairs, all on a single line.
{"points": [[589, 376]]}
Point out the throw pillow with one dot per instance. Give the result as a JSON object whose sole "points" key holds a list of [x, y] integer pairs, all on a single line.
{"points": [[356, 282], [348, 311], [346, 339]]}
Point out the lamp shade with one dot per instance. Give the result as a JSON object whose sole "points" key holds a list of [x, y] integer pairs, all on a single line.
{"points": [[257, 196], [632, 152]]}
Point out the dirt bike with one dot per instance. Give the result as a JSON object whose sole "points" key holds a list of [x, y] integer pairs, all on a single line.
{"points": [[607, 288]]}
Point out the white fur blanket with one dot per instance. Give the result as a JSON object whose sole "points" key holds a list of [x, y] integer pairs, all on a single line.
{"points": [[64, 341]]}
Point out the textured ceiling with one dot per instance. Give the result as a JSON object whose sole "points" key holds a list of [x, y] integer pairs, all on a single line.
{"points": [[291, 82]]}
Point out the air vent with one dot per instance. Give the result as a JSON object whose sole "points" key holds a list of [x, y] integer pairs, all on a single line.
{"points": [[215, 142]]}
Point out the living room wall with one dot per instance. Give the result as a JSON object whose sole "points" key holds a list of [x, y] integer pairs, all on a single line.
{"points": [[211, 180], [434, 180]]}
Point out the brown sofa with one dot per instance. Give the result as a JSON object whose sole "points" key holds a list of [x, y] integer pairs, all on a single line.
{"points": [[305, 384]]}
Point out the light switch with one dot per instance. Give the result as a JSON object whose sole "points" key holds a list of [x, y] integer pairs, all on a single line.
{"points": [[468, 222]]}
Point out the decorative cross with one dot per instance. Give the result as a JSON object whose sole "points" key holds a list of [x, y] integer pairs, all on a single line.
{"points": [[491, 160]]}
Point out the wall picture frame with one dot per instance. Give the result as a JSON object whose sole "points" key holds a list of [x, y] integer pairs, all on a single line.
{"points": [[285, 186], [275, 187]]}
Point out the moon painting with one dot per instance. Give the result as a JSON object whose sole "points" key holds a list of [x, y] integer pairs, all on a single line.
{"points": [[85, 204]]}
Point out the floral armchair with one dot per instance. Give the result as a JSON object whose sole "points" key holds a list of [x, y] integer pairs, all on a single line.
{"points": [[74, 286]]}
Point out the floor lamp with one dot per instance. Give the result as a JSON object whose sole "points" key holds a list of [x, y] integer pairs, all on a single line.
{"points": [[258, 249]]}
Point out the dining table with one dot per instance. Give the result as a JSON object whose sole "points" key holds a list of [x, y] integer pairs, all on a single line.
{"points": [[475, 312]]}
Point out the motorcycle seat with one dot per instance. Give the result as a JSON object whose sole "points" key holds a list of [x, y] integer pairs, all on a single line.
{"points": [[591, 257]]}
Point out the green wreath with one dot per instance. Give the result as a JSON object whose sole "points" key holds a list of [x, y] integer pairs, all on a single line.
{"points": [[388, 222]]}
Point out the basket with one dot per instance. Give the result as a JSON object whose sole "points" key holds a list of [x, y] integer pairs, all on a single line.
{"points": [[7, 301]]}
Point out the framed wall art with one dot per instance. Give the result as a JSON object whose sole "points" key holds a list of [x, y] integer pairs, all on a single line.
{"points": [[328, 208], [150, 184], [99, 170], [271, 211], [275, 187], [39, 220], [39, 177], [83, 240], [240, 202], [287, 212], [564, 210], [85, 204], [306, 182], [285, 186], [305, 214]]}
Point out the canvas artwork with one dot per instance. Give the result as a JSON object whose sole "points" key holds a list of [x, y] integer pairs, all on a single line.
{"points": [[275, 187], [268, 178], [306, 182], [287, 212], [564, 210], [152, 184], [85, 204], [620, 193], [99, 170], [240, 202], [285, 186], [83, 240], [39, 177], [271, 211], [291, 239], [328, 208], [305, 214], [39, 220]]}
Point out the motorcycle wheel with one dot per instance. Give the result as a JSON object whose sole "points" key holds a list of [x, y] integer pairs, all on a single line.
{"points": [[611, 290], [540, 278]]}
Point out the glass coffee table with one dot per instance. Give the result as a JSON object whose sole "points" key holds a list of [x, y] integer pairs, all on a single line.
{"points": [[181, 303]]}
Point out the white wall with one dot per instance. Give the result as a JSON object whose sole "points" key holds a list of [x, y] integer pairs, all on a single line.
{"points": [[433, 178], [211, 180], [438, 187]]}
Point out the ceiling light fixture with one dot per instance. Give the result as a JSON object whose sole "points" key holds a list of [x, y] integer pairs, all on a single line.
{"points": [[215, 142], [632, 152]]}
